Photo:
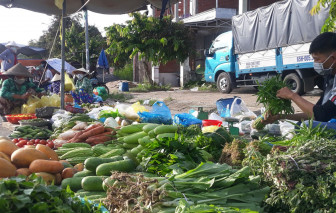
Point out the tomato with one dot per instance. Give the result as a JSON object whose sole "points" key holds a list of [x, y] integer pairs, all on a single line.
{"points": [[51, 145], [30, 143], [20, 139], [15, 140], [44, 142], [32, 140], [49, 140], [24, 142], [37, 141], [20, 144]]}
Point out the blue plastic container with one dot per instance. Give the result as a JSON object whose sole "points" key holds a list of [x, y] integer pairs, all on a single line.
{"points": [[124, 87]]}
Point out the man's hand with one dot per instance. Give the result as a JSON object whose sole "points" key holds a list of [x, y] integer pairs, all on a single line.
{"points": [[269, 118], [285, 93]]}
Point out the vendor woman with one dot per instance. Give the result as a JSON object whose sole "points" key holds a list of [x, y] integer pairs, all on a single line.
{"points": [[16, 89], [83, 82]]}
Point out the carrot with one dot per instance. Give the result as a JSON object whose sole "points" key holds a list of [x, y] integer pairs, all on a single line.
{"points": [[99, 135], [108, 129], [95, 131], [98, 140]]}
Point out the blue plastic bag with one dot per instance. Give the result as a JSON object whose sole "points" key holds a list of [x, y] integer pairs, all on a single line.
{"points": [[186, 119], [160, 114]]}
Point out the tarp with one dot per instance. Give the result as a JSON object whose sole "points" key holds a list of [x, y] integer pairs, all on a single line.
{"points": [[25, 50], [56, 63], [280, 24]]}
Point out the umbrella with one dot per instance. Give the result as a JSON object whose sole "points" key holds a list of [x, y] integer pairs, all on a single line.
{"points": [[56, 63], [25, 50], [103, 63]]}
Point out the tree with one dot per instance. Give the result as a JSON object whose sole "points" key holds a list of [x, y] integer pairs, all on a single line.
{"points": [[74, 40], [329, 25], [158, 41]]}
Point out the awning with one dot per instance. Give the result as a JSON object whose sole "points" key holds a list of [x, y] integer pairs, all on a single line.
{"points": [[216, 17]]}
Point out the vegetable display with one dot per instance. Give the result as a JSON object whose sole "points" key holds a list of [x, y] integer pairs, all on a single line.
{"points": [[31, 132]]}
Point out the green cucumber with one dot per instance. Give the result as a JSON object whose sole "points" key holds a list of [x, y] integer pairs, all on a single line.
{"points": [[93, 183], [126, 165], [151, 134], [108, 182], [85, 173], [145, 140], [147, 128], [130, 129], [93, 162], [129, 146], [74, 183], [165, 129], [133, 139], [75, 145], [165, 135], [113, 153]]}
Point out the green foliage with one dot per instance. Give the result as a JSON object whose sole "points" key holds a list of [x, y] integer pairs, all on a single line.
{"points": [[147, 87], [124, 73], [267, 96], [32, 195], [155, 40], [329, 25], [74, 38], [117, 96]]}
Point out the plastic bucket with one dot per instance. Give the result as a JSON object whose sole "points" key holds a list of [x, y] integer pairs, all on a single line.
{"points": [[124, 87], [222, 105], [211, 123]]}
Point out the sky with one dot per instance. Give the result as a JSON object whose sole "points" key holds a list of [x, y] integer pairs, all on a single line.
{"points": [[21, 25]]}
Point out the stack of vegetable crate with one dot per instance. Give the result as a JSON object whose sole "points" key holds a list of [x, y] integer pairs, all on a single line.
{"points": [[101, 160]]}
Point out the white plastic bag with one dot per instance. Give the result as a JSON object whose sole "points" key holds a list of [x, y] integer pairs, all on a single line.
{"points": [[287, 129], [214, 116], [245, 127], [273, 129], [111, 122], [239, 109]]}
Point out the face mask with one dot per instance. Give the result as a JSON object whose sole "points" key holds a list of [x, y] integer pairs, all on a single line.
{"points": [[19, 81], [318, 67], [80, 76]]}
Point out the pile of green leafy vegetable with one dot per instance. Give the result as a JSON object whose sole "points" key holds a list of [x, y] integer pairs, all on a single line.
{"points": [[267, 96], [303, 177], [209, 187], [18, 194]]}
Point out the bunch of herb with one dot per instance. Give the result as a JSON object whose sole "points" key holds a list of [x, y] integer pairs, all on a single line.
{"points": [[303, 177], [233, 153], [19, 194], [267, 91]]}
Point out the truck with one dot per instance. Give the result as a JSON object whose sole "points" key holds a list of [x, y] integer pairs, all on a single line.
{"points": [[271, 40]]}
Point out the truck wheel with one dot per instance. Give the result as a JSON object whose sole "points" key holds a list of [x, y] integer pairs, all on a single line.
{"points": [[295, 83], [224, 83]]}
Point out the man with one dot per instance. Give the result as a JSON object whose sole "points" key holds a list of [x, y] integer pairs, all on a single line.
{"points": [[323, 51], [16, 89], [9, 56]]}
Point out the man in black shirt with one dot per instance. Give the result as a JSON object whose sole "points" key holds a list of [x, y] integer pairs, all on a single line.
{"points": [[323, 51]]}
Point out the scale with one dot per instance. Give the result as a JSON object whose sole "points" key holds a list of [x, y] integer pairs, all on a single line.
{"points": [[231, 120], [201, 114]]}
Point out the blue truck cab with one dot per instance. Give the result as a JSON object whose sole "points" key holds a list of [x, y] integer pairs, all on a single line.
{"points": [[255, 50]]}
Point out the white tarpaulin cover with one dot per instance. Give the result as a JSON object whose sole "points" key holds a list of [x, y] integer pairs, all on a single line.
{"points": [[72, 6], [280, 24], [56, 63]]}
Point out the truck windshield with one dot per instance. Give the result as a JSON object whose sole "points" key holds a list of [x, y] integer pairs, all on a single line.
{"points": [[222, 41]]}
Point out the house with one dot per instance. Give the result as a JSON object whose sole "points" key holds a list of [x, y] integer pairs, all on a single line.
{"points": [[208, 19]]}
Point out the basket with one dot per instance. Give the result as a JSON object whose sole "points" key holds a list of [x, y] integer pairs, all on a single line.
{"points": [[74, 109], [14, 119]]}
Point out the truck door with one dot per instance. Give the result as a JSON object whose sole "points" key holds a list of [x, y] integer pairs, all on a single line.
{"points": [[220, 53]]}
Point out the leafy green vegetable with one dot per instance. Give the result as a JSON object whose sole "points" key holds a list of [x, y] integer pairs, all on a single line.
{"points": [[20, 195], [267, 96]]}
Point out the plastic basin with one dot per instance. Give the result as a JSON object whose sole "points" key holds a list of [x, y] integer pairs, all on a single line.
{"points": [[14, 119], [211, 123]]}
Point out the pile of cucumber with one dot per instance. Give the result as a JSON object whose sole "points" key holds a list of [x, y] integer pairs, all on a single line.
{"points": [[31, 132]]}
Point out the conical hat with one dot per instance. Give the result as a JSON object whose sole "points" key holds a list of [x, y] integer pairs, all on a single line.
{"points": [[56, 77], [83, 70], [18, 70], [11, 44]]}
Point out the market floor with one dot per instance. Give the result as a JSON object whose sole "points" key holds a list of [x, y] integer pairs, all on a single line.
{"points": [[180, 101], [3, 130]]}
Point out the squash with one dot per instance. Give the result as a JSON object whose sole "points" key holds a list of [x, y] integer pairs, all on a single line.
{"points": [[7, 147], [79, 167], [4, 156], [29, 146], [47, 177], [23, 171], [50, 166], [6, 168], [66, 164], [68, 173], [23, 157], [46, 150]]}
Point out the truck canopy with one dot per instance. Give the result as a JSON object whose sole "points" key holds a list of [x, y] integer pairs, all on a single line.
{"points": [[280, 24]]}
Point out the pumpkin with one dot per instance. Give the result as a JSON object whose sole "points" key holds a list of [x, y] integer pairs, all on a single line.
{"points": [[4, 156], [48, 151], [68, 173], [23, 157]]}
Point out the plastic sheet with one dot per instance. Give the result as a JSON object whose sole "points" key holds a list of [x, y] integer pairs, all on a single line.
{"points": [[186, 119], [160, 114]]}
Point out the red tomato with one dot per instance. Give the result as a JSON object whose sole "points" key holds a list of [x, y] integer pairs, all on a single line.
{"points": [[37, 141], [24, 142], [49, 140], [20, 139], [30, 143], [32, 140], [44, 142], [51, 145], [15, 140], [20, 144]]}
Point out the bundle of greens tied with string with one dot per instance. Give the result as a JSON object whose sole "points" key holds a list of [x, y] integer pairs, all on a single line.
{"points": [[267, 91]]}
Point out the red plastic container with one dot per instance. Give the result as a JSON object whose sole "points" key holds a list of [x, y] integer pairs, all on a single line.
{"points": [[211, 123], [14, 119]]}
